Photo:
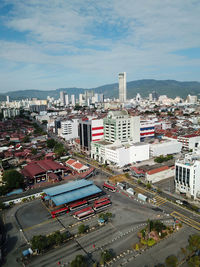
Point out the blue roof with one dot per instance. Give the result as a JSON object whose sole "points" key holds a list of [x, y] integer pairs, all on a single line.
{"points": [[64, 188], [76, 194]]}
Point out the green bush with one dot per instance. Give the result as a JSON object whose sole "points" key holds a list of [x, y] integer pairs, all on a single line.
{"points": [[151, 242], [143, 241]]}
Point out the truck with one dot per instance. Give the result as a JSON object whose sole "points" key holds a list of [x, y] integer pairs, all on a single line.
{"points": [[130, 191], [142, 197]]}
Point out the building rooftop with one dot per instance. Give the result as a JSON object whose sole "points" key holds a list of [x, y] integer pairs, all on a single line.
{"points": [[163, 168], [76, 194], [69, 187]]}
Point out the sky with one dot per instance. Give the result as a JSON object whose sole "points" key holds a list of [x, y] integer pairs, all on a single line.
{"points": [[85, 43]]}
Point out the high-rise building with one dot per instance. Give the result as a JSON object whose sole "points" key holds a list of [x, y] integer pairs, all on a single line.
{"points": [[73, 100], [90, 131], [7, 99], [122, 87], [66, 100], [119, 125], [62, 98]]}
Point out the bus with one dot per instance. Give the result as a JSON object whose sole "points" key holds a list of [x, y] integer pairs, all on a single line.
{"points": [[102, 205], [84, 213], [60, 211], [82, 210], [101, 200], [78, 204], [109, 187], [94, 197]]}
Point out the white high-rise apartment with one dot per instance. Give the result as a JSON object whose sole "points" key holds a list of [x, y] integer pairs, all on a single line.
{"points": [[62, 98], [66, 100], [122, 87], [73, 100]]}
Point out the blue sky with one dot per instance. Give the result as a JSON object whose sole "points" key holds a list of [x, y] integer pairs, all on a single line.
{"points": [[86, 43]]}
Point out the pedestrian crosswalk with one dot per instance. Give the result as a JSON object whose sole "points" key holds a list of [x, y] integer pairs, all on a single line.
{"points": [[158, 201]]}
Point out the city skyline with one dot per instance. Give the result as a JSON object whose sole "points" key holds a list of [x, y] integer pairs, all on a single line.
{"points": [[47, 45]]}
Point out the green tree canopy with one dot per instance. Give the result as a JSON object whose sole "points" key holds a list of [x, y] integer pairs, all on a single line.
{"points": [[194, 261], [79, 261], [105, 256], [51, 143], [13, 179], [39, 242], [59, 149], [194, 242], [171, 261], [82, 228]]}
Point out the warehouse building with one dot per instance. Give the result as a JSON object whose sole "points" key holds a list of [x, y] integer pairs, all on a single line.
{"points": [[70, 192]]}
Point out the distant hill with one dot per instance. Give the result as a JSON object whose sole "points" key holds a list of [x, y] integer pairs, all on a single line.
{"points": [[171, 88]]}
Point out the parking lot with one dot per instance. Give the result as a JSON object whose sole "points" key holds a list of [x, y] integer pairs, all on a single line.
{"points": [[35, 219]]}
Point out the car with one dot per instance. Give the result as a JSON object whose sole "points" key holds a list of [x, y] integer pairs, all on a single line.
{"points": [[178, 201]]}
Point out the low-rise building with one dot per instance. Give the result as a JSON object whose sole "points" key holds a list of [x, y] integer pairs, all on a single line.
{"points": [[189, 141], [119, 154], [159, 174], [165, 147]]}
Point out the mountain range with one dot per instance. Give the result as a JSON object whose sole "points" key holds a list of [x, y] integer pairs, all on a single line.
{"points": [[171, 88]]}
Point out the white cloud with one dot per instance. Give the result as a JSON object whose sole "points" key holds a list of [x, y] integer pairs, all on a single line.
{"points": [[74, 35]]}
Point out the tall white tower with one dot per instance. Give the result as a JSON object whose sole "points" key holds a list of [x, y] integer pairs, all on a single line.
{"points": [[73, 100], [122, 87], [62, 98]]}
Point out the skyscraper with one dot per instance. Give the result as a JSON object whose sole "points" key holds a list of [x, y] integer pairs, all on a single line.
{"points": [[122, 87], [73, 100], [66, 100], [62, 98]]}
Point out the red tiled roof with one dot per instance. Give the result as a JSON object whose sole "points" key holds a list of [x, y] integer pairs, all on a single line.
{"points": [[78, 165], [163, 168], [41, 166], [70, 161], [136, 170]]}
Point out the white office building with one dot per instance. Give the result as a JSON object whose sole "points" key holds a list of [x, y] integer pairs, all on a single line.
{"points": [[122, 87], [187, 173], [119, 154], [69, 129], [119, 125]]}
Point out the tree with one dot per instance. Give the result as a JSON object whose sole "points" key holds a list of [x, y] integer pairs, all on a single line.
{"points": [[39, 242], [171, 261], [194, 242], [82, 228], [105, 216], [26, 139], [105, 256], [159, 226], [79, 261], [149, 186], [51, 143], [59, 149], [194, 261], [12, 179]]}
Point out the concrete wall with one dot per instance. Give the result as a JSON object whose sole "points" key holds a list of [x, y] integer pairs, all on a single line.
{"points": [[165, 148], [20, 200]]}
